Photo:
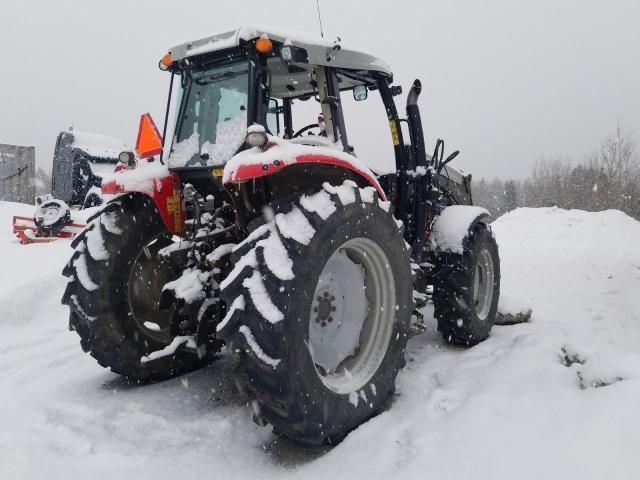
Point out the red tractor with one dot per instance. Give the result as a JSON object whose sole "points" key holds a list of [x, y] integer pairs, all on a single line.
{"points": [[281, 247]]}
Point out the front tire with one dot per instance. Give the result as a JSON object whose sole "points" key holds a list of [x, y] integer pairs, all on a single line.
{"points": [[116, 279], [319, 304], [467, 289]]}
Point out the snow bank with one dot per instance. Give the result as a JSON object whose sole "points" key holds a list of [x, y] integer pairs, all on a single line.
{"points": [[604, 369], [555, 398]]}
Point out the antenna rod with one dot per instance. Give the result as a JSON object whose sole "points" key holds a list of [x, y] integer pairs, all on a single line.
{"points": [[319, 18]]}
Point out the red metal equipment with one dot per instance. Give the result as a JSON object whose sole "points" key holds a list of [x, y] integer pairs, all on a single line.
{"points": [[26, 231]]}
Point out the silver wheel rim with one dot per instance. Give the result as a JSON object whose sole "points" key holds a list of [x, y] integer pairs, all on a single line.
{"points": [[483, 284], [352, 315]]}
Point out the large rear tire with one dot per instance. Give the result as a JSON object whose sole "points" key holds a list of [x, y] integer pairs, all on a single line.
{"points": [[466, 292], [319, 303], [116, 280]]}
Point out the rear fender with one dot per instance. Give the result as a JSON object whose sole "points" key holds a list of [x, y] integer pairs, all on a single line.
{"points": [[164, 191], [453, 227], [249, 171]]}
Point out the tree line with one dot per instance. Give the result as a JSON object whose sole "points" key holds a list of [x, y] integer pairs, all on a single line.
{"points": [[608, 178]]}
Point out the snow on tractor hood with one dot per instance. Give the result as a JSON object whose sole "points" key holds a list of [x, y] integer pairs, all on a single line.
{"points": [[251, 163], [144, 178], [280, 153]]}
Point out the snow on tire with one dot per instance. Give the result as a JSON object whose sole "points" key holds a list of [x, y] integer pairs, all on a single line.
{"points": [[105, 292], [318, 309], [52, 215]]}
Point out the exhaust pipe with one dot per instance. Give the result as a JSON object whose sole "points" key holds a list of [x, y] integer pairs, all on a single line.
{"points": [[415, 125], [414, 93], [420, 155]]}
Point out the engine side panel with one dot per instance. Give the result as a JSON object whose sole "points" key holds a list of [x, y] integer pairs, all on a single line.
{"points": [[165, 193]]}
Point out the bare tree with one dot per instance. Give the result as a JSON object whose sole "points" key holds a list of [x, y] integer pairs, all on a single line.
{"points": [[510, 195], [609, 178], [549, 181], [617, 155]]}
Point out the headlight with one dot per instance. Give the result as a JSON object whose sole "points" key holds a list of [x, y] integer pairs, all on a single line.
{"points": [[128, 158], [256, 138]]}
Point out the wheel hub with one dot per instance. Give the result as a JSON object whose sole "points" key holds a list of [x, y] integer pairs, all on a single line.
{"points": [[325, 308], [483, 284], [338, 312], [149, 273]]}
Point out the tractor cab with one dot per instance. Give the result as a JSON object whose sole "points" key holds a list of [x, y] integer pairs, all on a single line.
{"points": [[297, 89], [291, 86]]}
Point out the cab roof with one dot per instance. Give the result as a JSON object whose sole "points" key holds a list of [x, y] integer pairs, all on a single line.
{"points": [[320, 51]]}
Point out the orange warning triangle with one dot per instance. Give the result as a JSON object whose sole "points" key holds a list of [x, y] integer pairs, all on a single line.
{"points": [[149, 140]]}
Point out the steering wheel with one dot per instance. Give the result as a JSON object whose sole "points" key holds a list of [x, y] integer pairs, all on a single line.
{"points": [[304, 129]]}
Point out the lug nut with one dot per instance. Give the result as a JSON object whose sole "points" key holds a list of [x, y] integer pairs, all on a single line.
{"points": [[326, 294], [315, 309], [333, 309], [319, 298], [330, 319], [333, 298]]}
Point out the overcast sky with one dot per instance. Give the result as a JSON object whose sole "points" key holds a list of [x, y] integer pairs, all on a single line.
{"points": [[506, 82]]}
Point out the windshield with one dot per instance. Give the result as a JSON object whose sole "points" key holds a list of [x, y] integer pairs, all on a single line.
{"points": [[212, 119]]}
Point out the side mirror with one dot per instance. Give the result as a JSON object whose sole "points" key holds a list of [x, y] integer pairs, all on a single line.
{"points": [[360, 93], [273, 117]]}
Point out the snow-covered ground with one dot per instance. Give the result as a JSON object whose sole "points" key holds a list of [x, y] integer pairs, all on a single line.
{"points": [[556, 398]]}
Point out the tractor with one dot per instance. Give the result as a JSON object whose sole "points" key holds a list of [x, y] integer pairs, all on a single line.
{"points": [[279, 246]]}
